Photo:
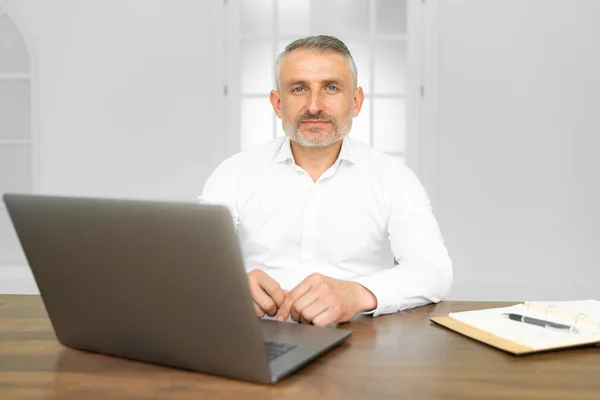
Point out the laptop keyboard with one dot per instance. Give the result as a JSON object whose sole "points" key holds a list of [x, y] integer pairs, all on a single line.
{"points": [[276, 349]]}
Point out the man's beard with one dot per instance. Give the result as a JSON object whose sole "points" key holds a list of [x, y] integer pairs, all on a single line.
{"points": [[337, 134]]}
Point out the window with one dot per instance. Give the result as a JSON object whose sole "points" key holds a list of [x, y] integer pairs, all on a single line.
{"points": [[375, 31], [16, 141]]}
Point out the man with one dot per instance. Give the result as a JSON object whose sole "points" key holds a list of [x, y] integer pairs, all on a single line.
{"points": [[329, 228]]}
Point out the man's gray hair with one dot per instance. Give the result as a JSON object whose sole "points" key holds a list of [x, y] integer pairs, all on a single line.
{"points": [[319, 44]]}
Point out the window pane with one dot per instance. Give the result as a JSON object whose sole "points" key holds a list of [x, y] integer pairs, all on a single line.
{"points": [[390, 16], [12, 48], [10, 248], [293, 17], [256, 17], [361, 124], [339, 17], [389, 125], [390, 67], [14, 109], [256, 122], [257, 67], [15, 168], [360, 54], [280, 46]]}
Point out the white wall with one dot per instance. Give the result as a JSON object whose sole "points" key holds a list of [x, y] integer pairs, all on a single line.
{"points": [[130, 105], [130, 98], [517, 191]]}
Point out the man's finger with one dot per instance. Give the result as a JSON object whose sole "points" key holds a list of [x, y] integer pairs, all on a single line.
{"points": [[257, 310], [290, 298], [302, 303], [263, 300], [325, 318], [314, 309], [274, 291]]}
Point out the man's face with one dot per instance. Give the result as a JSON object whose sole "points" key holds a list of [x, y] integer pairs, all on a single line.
{"points": [[317, 98]]}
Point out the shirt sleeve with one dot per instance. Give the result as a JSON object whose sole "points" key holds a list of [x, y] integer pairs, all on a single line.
{"points": [[220, 188], [423, 273]]}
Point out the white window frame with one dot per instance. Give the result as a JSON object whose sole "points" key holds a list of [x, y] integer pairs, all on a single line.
{"points": [[16, 278], [33, 141], [415, 39]]}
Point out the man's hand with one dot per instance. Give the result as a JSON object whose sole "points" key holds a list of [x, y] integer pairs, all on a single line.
{"points": [[321, 300], [267, 295]]}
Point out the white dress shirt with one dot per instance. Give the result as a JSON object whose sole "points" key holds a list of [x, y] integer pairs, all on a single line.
{"points": [[366, 219]]}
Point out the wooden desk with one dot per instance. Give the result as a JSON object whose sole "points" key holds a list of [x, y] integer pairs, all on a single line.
{"points": [[400, 356]]}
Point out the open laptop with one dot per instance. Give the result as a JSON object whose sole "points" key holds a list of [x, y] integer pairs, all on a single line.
{"points": [[157, 282]]}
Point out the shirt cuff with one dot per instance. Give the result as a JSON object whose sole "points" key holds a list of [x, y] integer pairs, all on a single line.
{"points": [[385, 302]]}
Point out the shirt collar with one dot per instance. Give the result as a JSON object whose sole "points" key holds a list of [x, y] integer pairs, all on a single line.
{"points": [[285, 151], [346, 153]]}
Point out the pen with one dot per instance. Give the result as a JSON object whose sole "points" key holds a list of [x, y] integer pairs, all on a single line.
{"points": [[540, 322]]}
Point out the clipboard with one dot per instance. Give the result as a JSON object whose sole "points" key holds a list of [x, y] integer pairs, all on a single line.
{"points": [[514, 347]]}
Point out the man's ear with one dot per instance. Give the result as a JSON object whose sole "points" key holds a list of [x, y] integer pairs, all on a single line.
{"points": [[276, 102], [359, 98]]}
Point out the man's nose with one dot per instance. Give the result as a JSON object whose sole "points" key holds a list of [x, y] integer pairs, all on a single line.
{"points": [[316, 103]]}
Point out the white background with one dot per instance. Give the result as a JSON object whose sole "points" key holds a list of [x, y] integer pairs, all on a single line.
{"points": [[130, 98], [130, 104], [516, 140]]}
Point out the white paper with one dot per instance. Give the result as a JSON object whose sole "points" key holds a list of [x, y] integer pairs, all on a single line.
{"points": [[583, 315]]}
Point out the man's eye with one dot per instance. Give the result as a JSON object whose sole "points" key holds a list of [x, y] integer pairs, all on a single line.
{"points": [[298, 89], [331, 88]]}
